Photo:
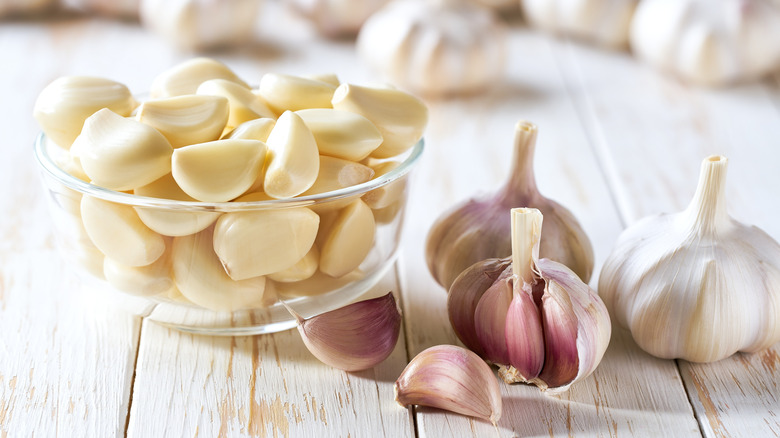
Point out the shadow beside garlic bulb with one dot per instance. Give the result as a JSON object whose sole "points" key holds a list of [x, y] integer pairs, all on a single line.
{"points": [[479, 229]]}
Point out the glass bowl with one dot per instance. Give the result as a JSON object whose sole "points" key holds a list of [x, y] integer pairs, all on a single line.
{"points": [[186, 286]]}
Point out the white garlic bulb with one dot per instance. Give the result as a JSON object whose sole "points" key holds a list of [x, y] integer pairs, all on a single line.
{"points": [[337, 17], [201, 24], [711, 42], [605, 22], [435, 47], [696, 285]]}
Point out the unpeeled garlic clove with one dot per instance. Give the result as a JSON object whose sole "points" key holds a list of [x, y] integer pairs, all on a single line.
{"points": [[254, 243], [349, 239], [293, 93], [303, 269], [200, 277], [118, 233], [218, 171], [169, 222], [479, 228], [342, 134], [63, 106], [186, 119], [400, 117], [119, 153], [244, 105], [355, 337], [450, 378], [186, 77], [533, 305], [293, 159]]}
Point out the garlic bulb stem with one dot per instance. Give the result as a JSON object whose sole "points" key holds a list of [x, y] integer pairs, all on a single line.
{"points": [[521, 177], [526, 234], [707, 210]]}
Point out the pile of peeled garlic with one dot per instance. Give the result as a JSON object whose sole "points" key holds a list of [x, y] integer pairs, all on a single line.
{"points": [[696, 285], [205, 135]]}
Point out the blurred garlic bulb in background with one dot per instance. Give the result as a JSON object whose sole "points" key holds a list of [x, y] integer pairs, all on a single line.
{"points": [[435, 47], [111, 8], [201, 24], [24, 7], [710, 42], [605, 22], [335, 18], [499, 5]]}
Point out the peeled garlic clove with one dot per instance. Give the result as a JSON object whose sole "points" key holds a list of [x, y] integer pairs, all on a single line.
{"points": [[244, 105], [303, 269], [201, 24], [118, 233], [328, 78], [355, 337], [153, 279], [218, 171], [171, 222], [257, 129], [399, 116], [119, 153], [479, 229], [388, 194], [696, 285], [293, 159], [450, 378], [293, 93], [254, 243], [336, 174], [199, 275], [187, 119], [64, 105], [349, 239], [341, 134], [317, 284], [471, 285], [185, 78], [388, 214]]}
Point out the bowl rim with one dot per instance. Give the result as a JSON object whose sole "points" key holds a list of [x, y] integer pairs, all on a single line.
{"points": [[409, 159]]}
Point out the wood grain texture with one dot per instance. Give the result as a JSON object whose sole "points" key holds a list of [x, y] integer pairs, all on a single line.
{"points": [[269, 385], [666, 137], [630, 393]]}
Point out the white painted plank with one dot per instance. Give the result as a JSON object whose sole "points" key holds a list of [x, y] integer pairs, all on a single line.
{"points": [[66, 355], [469, 145], [269, 385], [653, 134]]}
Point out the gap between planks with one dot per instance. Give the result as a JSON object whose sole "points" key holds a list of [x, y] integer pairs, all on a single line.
{"points": [[132, 379]]}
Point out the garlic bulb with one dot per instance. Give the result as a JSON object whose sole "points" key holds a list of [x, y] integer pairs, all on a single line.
{"points": [[435, 47], [605, 22], [450, 378], [201, 24], [24, 7], [113, 8], [479, 229], [536, 320], [337, 17], [355, 337], [696, 285], [710, 42]]}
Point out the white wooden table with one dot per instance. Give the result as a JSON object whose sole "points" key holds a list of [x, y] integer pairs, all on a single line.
{"points": [[617, 142]]}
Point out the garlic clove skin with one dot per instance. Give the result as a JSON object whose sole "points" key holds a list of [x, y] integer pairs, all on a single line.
{"points": [[355, 337], [450, 378], [435, 48], [524, 335], [490, 320], [471, 284], [708, 43], [186, 77], [723, 295], [606, 23], [480, 229], [62, 107]]}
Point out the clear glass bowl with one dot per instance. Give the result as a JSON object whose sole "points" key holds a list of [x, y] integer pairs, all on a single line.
{"points": [[189, 270]]}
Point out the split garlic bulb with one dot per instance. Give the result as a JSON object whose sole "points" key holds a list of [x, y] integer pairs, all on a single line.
{"points": [[711, 42], [479, 228], [602, 21], [696, 285], [337, 17], [435, 47], [201, 24]]}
